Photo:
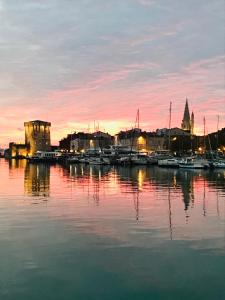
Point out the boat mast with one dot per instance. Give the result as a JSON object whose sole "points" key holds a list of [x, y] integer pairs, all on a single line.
{"points": [[138, 119], [170, 124], [204, 135], [133, 133], [217, 134]]}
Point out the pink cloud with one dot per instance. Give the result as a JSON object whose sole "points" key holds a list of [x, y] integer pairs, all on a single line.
{"points": [[115, 107]]}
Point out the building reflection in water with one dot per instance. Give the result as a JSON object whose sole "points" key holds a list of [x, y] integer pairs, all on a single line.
{"points": [[37, 180], [135, 179], [173, 185], [99, 179], [17, 164], [171, 193], [90, 177], [185, 179]]}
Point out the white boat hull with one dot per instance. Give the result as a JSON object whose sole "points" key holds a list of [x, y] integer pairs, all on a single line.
{"points": [[170, 163]]}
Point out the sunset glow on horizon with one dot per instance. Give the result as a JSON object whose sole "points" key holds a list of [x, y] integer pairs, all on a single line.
{"points": [[73, 63]]}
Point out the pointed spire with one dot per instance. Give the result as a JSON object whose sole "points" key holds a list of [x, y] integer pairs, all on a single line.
{"points": [[186, 122], [186, 112]]}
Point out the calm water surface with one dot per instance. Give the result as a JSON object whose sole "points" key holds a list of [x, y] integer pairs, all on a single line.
{"points": [[81, 232]]}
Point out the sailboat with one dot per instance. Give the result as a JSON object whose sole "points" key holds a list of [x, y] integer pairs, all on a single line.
{"points": [[135, 157], [195, 162], [216, 162], [170, 161]]}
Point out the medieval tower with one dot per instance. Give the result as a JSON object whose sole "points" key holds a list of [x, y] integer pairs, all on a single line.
{"points": [[37, 136]]}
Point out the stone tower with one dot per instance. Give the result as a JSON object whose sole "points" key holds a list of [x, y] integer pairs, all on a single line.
{"points": [[37, 136], [187, 122]]}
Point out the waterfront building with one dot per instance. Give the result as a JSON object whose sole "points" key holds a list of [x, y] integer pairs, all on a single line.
{"points": [[155, 142], [81, 142], [139, 140], [64, 144], [17, 150], [187, 121], [172, 132], [37, 136]]}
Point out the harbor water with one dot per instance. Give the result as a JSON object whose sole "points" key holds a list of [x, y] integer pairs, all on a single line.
{"points": [[114, 233]]}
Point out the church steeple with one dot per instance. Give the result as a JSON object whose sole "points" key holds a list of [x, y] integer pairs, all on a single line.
{"points": [[186, 122]]}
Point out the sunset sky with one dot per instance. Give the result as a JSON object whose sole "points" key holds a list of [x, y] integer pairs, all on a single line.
{"points": [[71, 62]]}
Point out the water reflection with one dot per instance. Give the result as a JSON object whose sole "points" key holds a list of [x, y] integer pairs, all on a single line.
{"points": [[131, 180], [113, 224], [37, 180], [138, 180], [17, 164], [97, 181]]}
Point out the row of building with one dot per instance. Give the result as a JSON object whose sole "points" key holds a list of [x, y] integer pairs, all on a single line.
{"points": [[37, 138], [135, 138]]}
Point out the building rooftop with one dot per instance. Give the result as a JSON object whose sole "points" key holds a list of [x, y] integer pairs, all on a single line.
{"points": [[37, 122]]}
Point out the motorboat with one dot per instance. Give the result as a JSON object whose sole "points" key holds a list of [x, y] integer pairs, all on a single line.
{"points": [[73, 160], [139, 159], [194, 163], [218, 164], [43, 156], [152, 160], [99, 161], [170, 162]]}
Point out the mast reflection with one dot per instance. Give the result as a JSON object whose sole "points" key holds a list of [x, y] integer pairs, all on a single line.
{"points": [[181, 184]]}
